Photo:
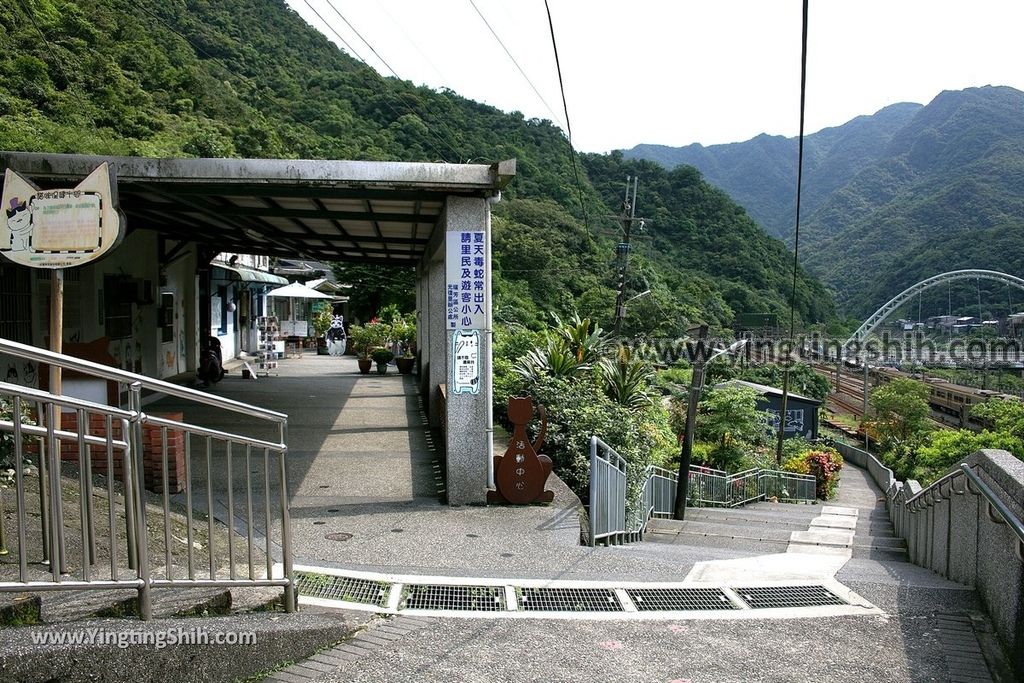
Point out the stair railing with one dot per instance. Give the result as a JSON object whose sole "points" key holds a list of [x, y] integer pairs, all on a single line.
{"points": [[60, 433], [613, 521]]}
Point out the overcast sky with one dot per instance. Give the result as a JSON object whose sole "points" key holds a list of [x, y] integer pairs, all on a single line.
{"points": [[674, 72]]}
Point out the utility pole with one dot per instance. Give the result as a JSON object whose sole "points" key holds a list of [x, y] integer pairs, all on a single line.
{"points": [[686, 456], [622, 249]]}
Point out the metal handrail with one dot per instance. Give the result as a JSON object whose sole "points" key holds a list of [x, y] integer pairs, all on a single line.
{"points": [[88, 445], [118, 375], [64, 401]]}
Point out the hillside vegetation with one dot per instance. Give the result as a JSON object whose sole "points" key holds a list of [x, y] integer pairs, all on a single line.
{"points": [[250, 78], [899, 196]]}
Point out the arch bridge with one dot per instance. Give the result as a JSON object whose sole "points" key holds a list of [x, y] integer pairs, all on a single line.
{"points": [[879, 316]]}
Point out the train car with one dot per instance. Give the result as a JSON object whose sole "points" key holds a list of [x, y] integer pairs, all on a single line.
{"points": [[946, 397]]}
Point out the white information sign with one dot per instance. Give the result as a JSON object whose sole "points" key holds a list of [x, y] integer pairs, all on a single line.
{"points": [[294, 328], [465, 284], [466, 362], [59, 228]]}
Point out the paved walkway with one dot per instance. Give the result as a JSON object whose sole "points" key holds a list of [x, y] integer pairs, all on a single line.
{"points": [[362, 463]]}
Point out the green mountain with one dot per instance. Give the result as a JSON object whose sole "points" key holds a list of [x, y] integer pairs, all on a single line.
{"points": [[760, 174], [250, 78], [949, 194], [893, 198]]}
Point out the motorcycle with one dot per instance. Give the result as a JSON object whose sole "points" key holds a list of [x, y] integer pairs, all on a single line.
{"points": [[211, 362]]}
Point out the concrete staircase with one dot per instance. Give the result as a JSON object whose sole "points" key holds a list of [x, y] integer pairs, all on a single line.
{"points": [[774, 527], [866, 556]]}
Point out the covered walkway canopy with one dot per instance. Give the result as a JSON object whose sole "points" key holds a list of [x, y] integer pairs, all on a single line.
{"points": [[389, 213], [366, 211]]}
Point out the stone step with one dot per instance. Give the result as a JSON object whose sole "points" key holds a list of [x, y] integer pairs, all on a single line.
{"points": [[880, 554], [737, 518], [66, 606], [751, 545], [798, 514], [759, 532]]}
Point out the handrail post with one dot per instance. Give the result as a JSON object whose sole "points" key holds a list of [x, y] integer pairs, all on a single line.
{"points": [[139, 501], [286, 533], [593, 491]]}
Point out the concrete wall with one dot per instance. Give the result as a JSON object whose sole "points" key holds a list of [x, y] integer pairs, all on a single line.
{"points": [[949, 529]]}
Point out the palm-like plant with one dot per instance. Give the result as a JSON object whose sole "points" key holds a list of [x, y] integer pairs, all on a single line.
{"points": [[554, 359], [582, 337], [626, 380]]}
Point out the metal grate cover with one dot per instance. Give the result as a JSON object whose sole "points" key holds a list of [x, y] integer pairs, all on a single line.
{"points": [[461, 598], [678, 599], [568, 600], [788, 596], [326, 586]]}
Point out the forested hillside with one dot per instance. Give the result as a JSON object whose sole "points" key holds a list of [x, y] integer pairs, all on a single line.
{"points": [[251, 78], [760, 174], [894, 198]]}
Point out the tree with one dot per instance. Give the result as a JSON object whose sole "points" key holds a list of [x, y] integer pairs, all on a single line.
{"points": [[902, 413], [729, 418], [375, 286], [947, 447], [1002, 415]]}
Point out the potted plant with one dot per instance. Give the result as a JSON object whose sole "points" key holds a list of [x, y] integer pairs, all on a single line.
{"points": [[322, 316], [405, 333], [361, 340], [382, 357]]}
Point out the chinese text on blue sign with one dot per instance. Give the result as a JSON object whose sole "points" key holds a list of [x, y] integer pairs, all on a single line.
{"points": [[466, 291]]}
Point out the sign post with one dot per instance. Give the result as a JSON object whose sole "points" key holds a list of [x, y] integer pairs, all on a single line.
{"points": [[58, 229]]}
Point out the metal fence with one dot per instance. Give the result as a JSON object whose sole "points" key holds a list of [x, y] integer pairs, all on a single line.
{"points": [[143, 541], [614, 521], [607, 494]]}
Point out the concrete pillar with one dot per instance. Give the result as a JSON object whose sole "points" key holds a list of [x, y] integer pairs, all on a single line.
{"points": [[468, 439]]}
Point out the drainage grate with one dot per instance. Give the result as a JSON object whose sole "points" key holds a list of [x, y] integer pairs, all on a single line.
{"points": [[788, 596], [675, 599], [363, 591], [461, 598], [568, 600]]}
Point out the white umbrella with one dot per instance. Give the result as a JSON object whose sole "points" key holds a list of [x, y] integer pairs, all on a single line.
{"points": [[297, 290]]}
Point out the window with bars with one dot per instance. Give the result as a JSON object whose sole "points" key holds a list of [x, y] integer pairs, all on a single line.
{"points": [[16, 303], [117, 309]]}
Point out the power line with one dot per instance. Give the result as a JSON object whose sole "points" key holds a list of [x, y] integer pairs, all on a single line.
{"points": [[254, 86], [509, 53], [796, 236], [568, 126], [431, 132], [383, 8], [49, 48], [366, 42], [338, 35]]}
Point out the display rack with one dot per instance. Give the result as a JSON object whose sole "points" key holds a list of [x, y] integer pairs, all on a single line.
{"points": [[266, 353]]}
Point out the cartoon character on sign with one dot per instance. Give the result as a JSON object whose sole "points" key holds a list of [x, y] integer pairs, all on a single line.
{"points": [[19, 226], [521, 473], [57, 228], [336, 339]]}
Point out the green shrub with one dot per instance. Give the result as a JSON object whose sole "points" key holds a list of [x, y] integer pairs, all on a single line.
{"points": [[824, 463], [382, 356]]}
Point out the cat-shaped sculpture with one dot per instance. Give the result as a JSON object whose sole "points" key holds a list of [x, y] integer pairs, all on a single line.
{"points": [[521, 473]]}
